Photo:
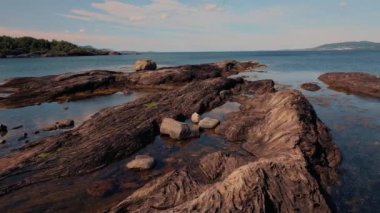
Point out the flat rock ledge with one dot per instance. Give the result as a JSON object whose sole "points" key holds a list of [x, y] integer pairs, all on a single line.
{"points": [[357, 83], [28, 91]]}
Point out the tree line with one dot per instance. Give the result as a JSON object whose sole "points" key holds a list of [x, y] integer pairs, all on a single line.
{"points": [[29, 45]]}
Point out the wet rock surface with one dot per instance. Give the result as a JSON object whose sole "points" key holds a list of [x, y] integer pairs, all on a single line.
{"points": [[73, 86], [286, 162], [291, 161], [357, 83], [310, 87]]}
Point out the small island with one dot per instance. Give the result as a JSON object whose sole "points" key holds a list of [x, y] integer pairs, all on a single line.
{"points": [[28, 47]]}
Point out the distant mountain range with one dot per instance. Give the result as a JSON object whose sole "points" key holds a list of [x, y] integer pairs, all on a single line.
{"points": [[352, 45]]}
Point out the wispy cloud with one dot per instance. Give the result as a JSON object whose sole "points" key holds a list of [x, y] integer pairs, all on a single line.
{"points": [[171, 14]]}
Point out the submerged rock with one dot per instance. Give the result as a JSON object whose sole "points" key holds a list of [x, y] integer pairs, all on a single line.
{"points": [[145, 64], [141, 162], [50, 127], [65, 124], [178, 130], [357, 83], [310, 87], [195, 118], [3, 129], [62, 124], [208, 123]]}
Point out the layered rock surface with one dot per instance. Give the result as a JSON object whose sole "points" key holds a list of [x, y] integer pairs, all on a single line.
{"points": [[293, 161], [286, 163], [357, 83], [72, 86]]}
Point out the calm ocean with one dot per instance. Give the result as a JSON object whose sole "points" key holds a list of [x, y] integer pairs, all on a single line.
{"points": [[354, 121]]}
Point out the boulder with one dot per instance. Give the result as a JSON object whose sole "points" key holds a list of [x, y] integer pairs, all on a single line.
{"points": [[141, 162], [195, 118], [208, 123], [310, 87], [145, 64], [49, 127], [178, 130], [65, 124]]}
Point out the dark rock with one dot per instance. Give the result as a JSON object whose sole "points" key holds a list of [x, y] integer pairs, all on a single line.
{"points": [[18, 127], [3, 130], [310, 87], [145, 64], [23, 137], [36, 132], [357, 83], [74, 86], [2, 141], [100, 188]]}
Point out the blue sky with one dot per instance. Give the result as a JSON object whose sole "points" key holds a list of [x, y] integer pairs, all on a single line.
{"points": [[200, 25]]}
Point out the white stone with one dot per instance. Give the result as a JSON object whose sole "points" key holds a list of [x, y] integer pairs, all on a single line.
{"points": [[195, 118], [178, 130]]}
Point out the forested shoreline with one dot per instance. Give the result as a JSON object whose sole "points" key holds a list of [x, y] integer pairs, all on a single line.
{"points": [[11, 47]]}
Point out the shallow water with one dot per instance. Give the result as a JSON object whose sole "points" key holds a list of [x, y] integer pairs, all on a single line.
{"points": [[34, 118], [353, 120]]}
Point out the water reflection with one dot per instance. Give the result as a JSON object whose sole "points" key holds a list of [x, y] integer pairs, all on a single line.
{"points": [[34, 118]]}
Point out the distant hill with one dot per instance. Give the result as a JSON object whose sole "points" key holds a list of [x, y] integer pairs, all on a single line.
{"points": [[28, 47], [353, 45]]}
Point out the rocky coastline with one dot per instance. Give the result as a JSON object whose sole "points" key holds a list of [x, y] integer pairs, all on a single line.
{"points": [[287, 160]]}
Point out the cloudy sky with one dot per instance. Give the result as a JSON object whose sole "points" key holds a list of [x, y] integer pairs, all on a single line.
{"points": [[193, 25]]}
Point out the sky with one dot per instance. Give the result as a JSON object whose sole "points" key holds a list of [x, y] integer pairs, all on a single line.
{"points": [[196, 25]]}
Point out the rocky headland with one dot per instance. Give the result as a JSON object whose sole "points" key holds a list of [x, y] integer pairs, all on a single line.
{"points": [[286, 163]]}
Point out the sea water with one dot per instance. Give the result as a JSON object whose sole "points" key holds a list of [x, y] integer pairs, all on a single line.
{"points": [[354, 121]]}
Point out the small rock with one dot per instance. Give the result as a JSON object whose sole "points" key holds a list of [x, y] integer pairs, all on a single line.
{"points": [[3, 130], [208, 123], [50, 127], [18, 127], [66, 108], [195, 118], [65, 124], [224, 93], [23, 137], [310, 87], [141, 162], [3, 141], [127, 92], [178, 130], [36, 132], [145, 64]]}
